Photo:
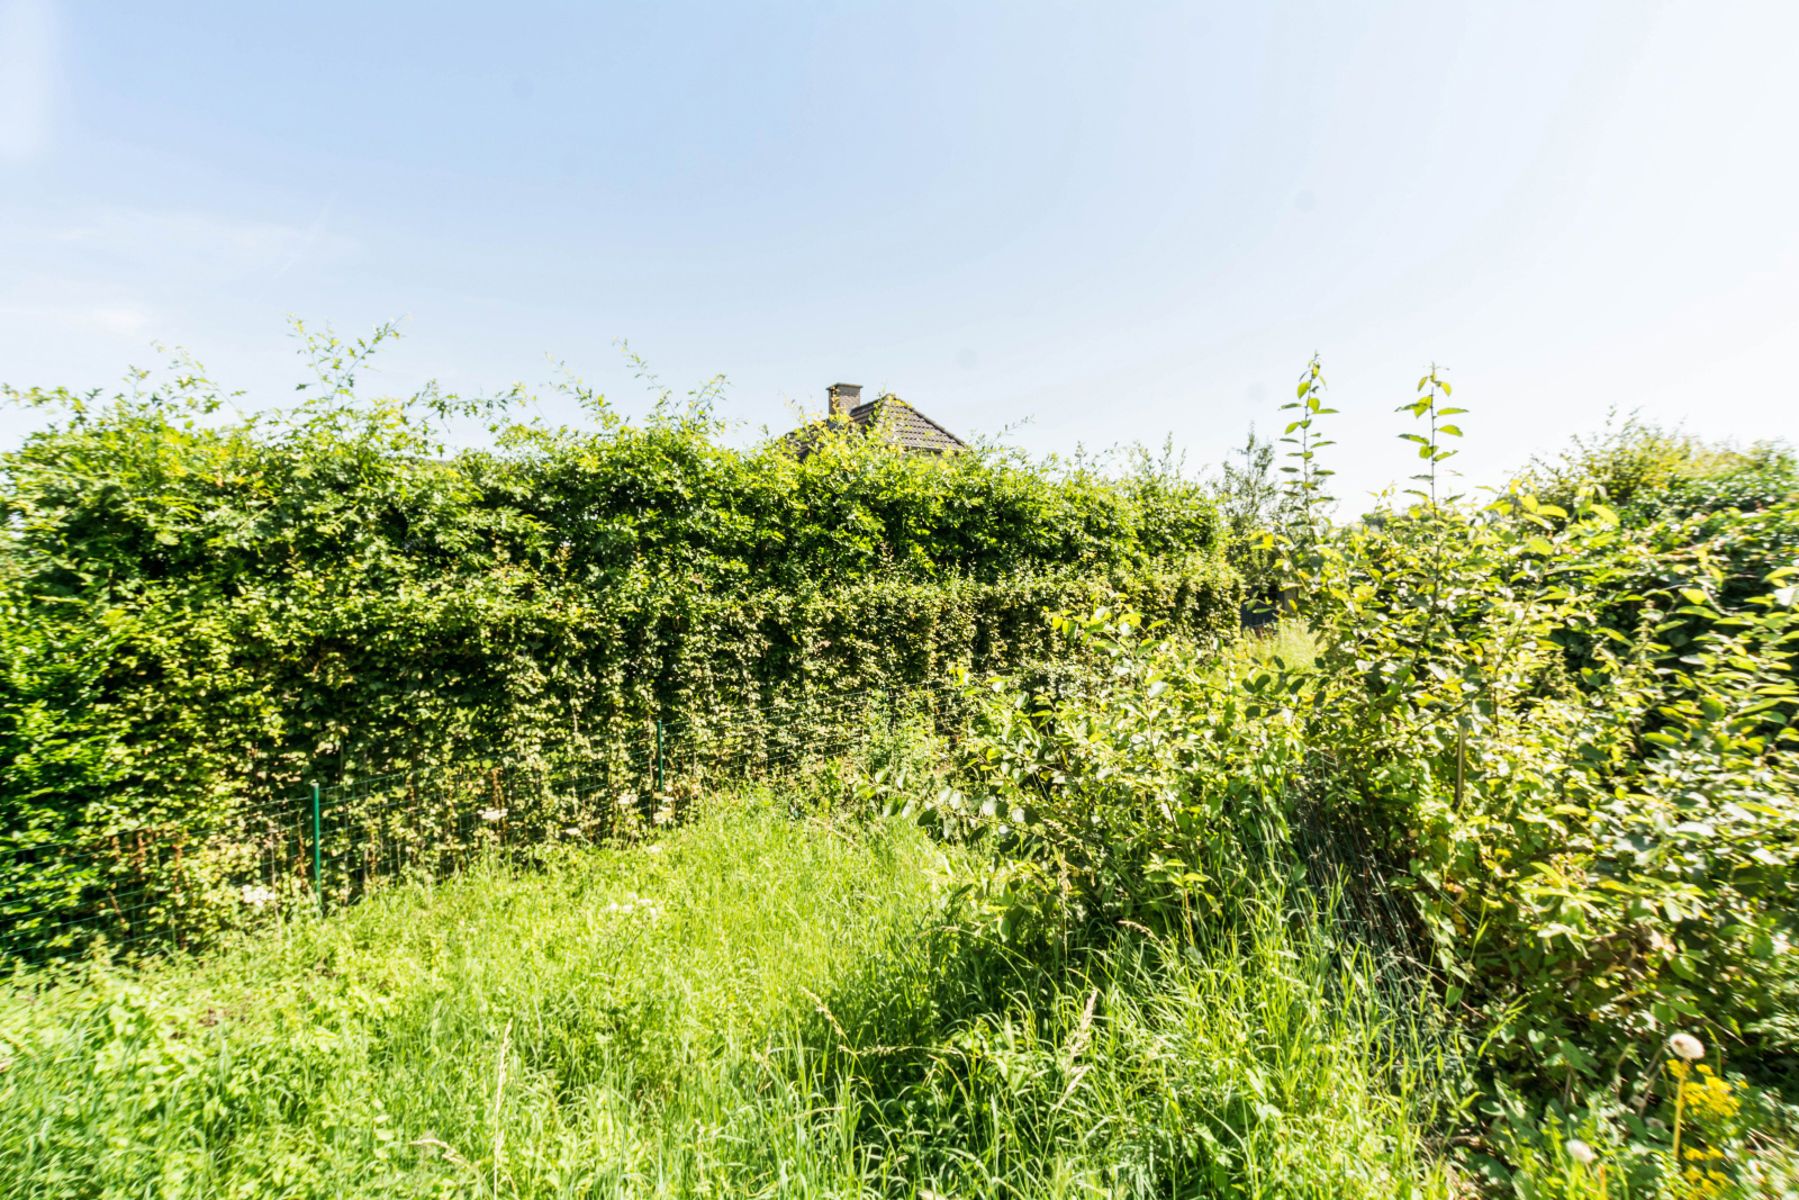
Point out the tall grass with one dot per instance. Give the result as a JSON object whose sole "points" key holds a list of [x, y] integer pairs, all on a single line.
{"points": [[755, 1006], [1261, 1061]]}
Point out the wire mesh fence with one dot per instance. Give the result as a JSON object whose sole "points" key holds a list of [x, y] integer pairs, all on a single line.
{"points": [[152, 887]]}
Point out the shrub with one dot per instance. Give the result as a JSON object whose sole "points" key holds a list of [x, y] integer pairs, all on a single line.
{"points": [[198, 615], [1557, 743]]}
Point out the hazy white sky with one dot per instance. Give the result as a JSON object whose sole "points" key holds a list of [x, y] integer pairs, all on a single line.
{"points": [[1112, 222]]}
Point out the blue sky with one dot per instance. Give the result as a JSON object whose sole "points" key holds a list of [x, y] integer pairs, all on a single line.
{"points": [[1064, 223]]}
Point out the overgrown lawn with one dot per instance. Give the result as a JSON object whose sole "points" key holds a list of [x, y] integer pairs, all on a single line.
{"points": [[756, 1005]]}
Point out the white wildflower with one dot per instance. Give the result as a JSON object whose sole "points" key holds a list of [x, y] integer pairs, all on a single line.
{"points": [[257, 896], [1580, 1152], [1687, 1046], [492, 814], [635, 905]]}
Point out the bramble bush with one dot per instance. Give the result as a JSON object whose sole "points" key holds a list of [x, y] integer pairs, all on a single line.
{"points": [[1557, 737]]}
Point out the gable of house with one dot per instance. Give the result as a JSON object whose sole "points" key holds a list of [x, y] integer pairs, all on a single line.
{"points": [[887, 417]]}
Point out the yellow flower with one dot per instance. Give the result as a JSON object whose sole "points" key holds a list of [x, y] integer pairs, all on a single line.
{"points": [[1712, 1098]]}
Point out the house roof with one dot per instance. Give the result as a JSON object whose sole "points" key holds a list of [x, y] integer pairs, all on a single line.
{"points": [[904, 425], [888, 417]]}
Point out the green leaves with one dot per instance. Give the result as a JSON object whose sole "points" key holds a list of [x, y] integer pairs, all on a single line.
{"points": [[1151, 780], [1305, 504], [196, 617], [1623, 782], [1430, 445]]}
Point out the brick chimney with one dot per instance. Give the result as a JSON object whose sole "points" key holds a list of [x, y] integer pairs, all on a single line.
{"points": [[845, 396]]}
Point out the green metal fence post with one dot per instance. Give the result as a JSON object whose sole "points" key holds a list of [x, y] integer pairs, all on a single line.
{"points": [[318, 860], [658, 754]]}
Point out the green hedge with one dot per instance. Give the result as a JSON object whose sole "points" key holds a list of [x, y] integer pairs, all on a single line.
{"points": [[198, 616]]}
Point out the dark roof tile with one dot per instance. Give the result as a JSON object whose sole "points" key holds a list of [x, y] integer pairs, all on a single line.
{"points": [[904, 425], [894, 420]]}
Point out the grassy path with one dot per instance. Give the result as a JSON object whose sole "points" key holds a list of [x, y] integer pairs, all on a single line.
{"points": [[754, 1006]]}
